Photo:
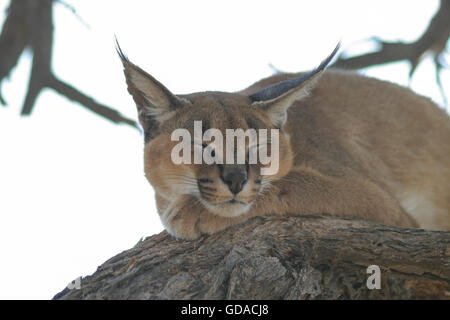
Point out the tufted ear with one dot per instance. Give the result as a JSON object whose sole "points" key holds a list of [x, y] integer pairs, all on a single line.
{"points": [[277, 98], [155, 103]]}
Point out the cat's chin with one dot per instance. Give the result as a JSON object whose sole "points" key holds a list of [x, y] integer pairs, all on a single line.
{"points": [[227, 209]]}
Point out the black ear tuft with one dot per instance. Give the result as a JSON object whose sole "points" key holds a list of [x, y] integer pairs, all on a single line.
{"points": [[275, 90], [328, 59], [122, 56]]}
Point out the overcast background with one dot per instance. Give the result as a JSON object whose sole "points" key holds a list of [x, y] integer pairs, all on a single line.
{"points": [[72, 189]]}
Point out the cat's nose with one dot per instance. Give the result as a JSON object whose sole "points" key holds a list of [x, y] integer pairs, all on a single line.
{"points": [[235, 177]]}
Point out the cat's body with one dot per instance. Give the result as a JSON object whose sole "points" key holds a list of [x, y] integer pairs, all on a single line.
{"points": [[351, 146], [377, 138]]}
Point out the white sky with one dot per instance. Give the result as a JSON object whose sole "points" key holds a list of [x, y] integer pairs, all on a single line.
{"points": [[72, 189]]}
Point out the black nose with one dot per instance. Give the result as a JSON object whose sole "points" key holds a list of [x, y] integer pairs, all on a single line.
{"points": [[235, 176]]}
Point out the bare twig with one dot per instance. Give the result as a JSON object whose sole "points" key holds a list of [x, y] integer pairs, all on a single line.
{"points": [[29, 24], [433, 41], [41, 43], [74, 12], [75, 95], [275, 70], [13, 39]]}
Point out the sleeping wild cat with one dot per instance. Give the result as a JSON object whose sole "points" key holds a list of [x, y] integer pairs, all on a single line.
{"points": [[347, 145]]}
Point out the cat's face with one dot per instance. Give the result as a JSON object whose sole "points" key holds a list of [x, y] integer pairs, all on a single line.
{"points": [[225, 189]]}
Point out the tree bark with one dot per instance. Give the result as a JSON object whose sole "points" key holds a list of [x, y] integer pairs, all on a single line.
{"points": [[308, 257]]}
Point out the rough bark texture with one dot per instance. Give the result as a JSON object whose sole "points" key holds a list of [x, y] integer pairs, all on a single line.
{"points": [[313, 257]]}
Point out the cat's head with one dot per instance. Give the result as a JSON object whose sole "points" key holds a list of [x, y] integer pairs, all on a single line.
{"points": [[176, 128]]}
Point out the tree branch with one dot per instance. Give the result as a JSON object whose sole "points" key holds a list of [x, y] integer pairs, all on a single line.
{"points": [[29, 23], [315, 257], [433, 40], [13, 39], [75, 95]]}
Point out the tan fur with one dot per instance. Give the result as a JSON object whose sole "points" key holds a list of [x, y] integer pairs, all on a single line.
{"points": [[354, 147]]}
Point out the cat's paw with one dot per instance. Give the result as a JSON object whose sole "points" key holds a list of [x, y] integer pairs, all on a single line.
{"points": [[186, 218], [181, 222]]}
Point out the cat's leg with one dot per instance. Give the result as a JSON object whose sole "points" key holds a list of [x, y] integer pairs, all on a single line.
{"points": [[187, 218], [180, 217]]}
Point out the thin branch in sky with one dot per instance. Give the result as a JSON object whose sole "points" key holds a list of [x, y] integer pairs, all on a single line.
{"points": [[74, 12], [29, 24], [434, 41]]}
